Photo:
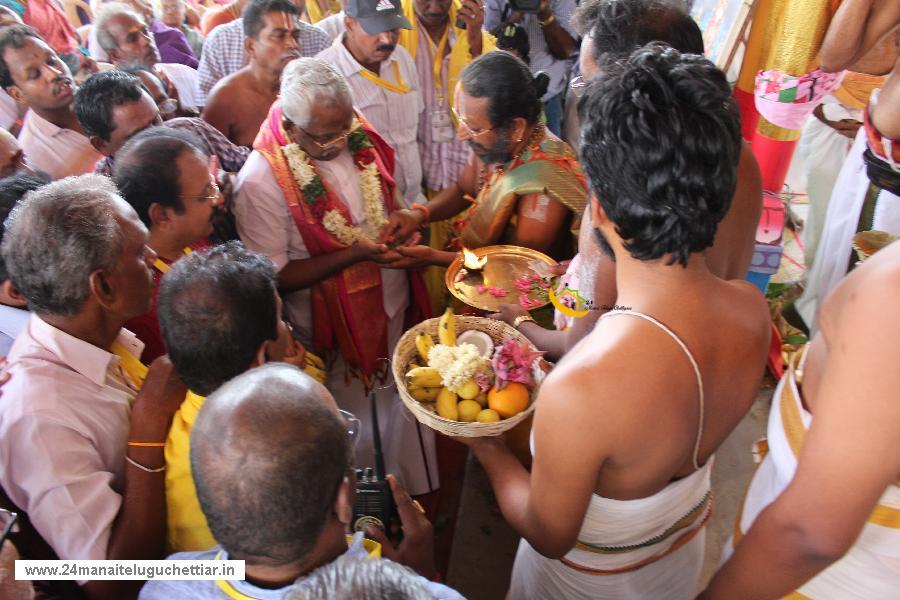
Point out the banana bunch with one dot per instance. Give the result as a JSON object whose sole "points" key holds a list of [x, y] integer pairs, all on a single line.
{"points": [[425, 384]]}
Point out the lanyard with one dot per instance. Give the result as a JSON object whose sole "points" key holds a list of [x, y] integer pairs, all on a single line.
{"points": [[132, 367], [162, 267], [439, 62], [400, 87]]}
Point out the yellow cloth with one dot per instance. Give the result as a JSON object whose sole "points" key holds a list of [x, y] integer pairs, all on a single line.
{"points": [[315, 11], [460, 54], [187, 527], [856, 88]]}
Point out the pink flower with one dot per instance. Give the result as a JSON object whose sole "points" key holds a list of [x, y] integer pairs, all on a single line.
{"points": [[513, 361]]}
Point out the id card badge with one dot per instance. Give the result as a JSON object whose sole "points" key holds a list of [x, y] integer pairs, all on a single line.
{"points": [[442, 126]]}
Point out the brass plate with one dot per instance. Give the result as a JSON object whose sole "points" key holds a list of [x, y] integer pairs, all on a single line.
{"points": [[504, 266]]}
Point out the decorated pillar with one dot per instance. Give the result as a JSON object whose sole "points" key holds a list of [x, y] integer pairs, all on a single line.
{"points": [[797, 28], [756, 53]]}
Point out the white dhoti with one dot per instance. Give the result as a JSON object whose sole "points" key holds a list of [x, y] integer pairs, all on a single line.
{"points": [[407, 446], [835, 243], [824, 151], [646, 548], [871, 568]]}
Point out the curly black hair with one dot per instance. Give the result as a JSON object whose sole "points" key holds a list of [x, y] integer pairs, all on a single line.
{"points": [[660, 143]]}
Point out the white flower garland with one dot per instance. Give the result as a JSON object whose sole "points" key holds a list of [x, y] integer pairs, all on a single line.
{"points": [[334, 222]]}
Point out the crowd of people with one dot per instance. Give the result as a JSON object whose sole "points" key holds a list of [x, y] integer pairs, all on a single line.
{"points": [[216, 222]]}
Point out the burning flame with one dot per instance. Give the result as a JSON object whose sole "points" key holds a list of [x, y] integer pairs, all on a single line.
{"points": [[471, 260]]}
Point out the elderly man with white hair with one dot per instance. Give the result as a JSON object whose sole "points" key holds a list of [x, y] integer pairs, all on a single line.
{"points": [[314, 196]]}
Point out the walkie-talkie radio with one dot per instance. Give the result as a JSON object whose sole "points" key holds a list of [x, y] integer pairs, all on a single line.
{"points": [[374, 503]]}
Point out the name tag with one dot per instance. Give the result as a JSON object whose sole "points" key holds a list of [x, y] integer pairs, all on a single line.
{"points": [[442, 130]]}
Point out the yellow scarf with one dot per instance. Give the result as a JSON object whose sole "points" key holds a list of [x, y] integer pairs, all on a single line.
{"points": [[856, 88], [315, 11], [460, 52]]}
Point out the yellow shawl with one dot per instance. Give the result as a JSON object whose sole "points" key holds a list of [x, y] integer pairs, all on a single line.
{"points": [[459, 53], [315, 11]]}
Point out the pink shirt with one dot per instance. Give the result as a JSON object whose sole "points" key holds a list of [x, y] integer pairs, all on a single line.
{"points": [[64, 423], [55, 150]]}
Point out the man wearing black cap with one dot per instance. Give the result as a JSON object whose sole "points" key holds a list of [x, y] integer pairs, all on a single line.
{"points": [[382, 77]]}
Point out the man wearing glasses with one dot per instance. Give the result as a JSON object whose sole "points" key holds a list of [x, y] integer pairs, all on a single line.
{"points": [[527, 185], [273, 460], [313, 197], [164, 175]]}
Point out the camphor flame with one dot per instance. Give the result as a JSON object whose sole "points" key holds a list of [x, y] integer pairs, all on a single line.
{"points": [[471, 260]]}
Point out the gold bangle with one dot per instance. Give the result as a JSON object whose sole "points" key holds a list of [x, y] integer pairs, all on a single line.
{"points": [[549, 20], [521, 319], [147, 444]]}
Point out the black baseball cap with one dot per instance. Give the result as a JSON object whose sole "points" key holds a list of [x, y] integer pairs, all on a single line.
{"points": [[377, 16]]}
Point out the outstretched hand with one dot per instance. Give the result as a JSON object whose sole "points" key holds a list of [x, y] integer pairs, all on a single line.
{"points": [[411, 257], [416, 550], [508, 313], [401, 225]]}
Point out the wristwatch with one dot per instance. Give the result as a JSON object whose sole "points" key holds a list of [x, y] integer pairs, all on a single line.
{"points": [[521, 319]]}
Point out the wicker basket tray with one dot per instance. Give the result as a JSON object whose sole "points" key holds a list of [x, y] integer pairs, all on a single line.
{"points": [[405, 351]]}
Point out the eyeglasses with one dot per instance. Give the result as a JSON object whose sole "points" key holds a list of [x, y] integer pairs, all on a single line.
{"points": [[9, 523], [353, 426], [325, 145], [472, 133], [212, 197], [168, 106]]}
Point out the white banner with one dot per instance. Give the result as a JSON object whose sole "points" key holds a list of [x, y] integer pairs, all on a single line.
{"points": [[83, 570]]}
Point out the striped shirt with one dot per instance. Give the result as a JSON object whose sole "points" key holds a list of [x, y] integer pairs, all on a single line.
{"points": [[541, 59], [443, 163], [223, 52], [394, 115]]}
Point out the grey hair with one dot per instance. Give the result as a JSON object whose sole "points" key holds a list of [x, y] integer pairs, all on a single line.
{"points": [[101, 23], [308, 80], [57, 236], [351, 578]]}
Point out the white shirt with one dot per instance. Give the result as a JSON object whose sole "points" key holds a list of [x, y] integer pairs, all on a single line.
{"points": [[64, 423], [395, 116], [184, 78], [333, 25], [265, 225], [57, 151]]}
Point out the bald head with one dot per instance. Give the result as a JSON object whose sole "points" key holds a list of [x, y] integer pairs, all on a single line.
{"points": [[268, 453]]}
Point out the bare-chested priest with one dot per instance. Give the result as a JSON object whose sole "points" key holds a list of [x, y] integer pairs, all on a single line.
{"points": [[822, 514], [627, 423], [239, 103]]}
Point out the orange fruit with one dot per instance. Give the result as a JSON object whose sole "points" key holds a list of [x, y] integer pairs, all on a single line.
{"points": [[509, 401]]}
